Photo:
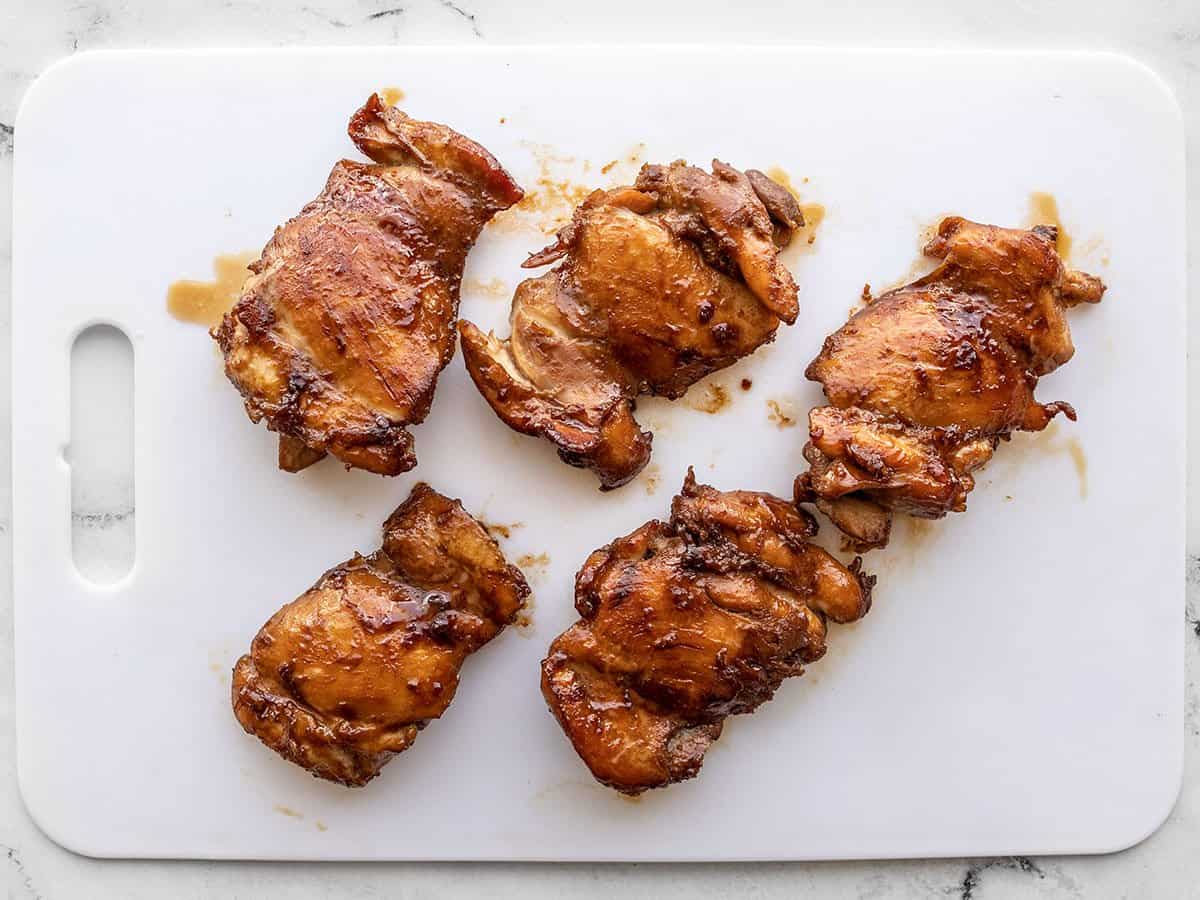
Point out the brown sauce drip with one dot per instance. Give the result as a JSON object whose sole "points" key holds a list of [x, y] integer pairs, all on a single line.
{"points": [[777, 415], [392, 95], [1052, 439], [651, 478], [626, 166], [712, 399], [1074, 449], [533, 561], [205, 302], [1079, 459], [524, 620], [497, 530], [551, 201], [1043, 210], [814, 213], [493, 287]]}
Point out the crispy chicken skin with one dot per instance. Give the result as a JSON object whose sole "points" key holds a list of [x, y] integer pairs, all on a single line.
{"points": [[686, 622], [927, 379], [658, 285], [340, 334], [342, 678]]}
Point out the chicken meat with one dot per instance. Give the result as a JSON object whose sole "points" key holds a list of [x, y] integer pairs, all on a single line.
{"points": [[348, 318], [341, 679], [685, 622], [657, 285], [926, 380]]}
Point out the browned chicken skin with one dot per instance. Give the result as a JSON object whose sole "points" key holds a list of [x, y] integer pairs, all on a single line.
{"points": [[686, 622], [659, 284], [342, 678], [927, 379], [341, 332]]}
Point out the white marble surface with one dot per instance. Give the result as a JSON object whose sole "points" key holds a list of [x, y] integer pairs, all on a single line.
{"points": [[1163, 33]]}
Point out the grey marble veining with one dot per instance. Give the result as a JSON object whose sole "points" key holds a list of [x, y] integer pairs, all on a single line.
{"points": [[1162, 33]]}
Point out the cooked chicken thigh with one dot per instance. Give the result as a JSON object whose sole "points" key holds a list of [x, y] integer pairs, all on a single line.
{"points": [[342, 678], [927, 379], [341, 332], [686, 622], [658, 285]]}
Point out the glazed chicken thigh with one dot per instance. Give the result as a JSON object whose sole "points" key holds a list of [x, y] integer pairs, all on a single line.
{"points": [[657, 285], [343, 678], [926, 380], [686, 622], [341, 332]]}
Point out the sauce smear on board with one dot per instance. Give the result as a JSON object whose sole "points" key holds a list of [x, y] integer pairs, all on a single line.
{"points": [[1043, 210], [813, 213], [391, 95], [205, 302]]}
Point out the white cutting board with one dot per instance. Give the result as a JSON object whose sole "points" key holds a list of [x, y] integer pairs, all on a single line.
{"points": [[1017, 687]]}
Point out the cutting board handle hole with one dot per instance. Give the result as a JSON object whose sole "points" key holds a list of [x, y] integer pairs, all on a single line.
{"points": [[100, 455]]}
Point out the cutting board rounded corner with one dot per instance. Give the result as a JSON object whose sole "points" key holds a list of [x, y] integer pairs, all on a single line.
{"points": [[50, 824], [1154, 815], [44, 86], [1154, 84]]}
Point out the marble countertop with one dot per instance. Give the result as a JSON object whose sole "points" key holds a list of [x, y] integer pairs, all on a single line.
{"points": [[1164, 34]]}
